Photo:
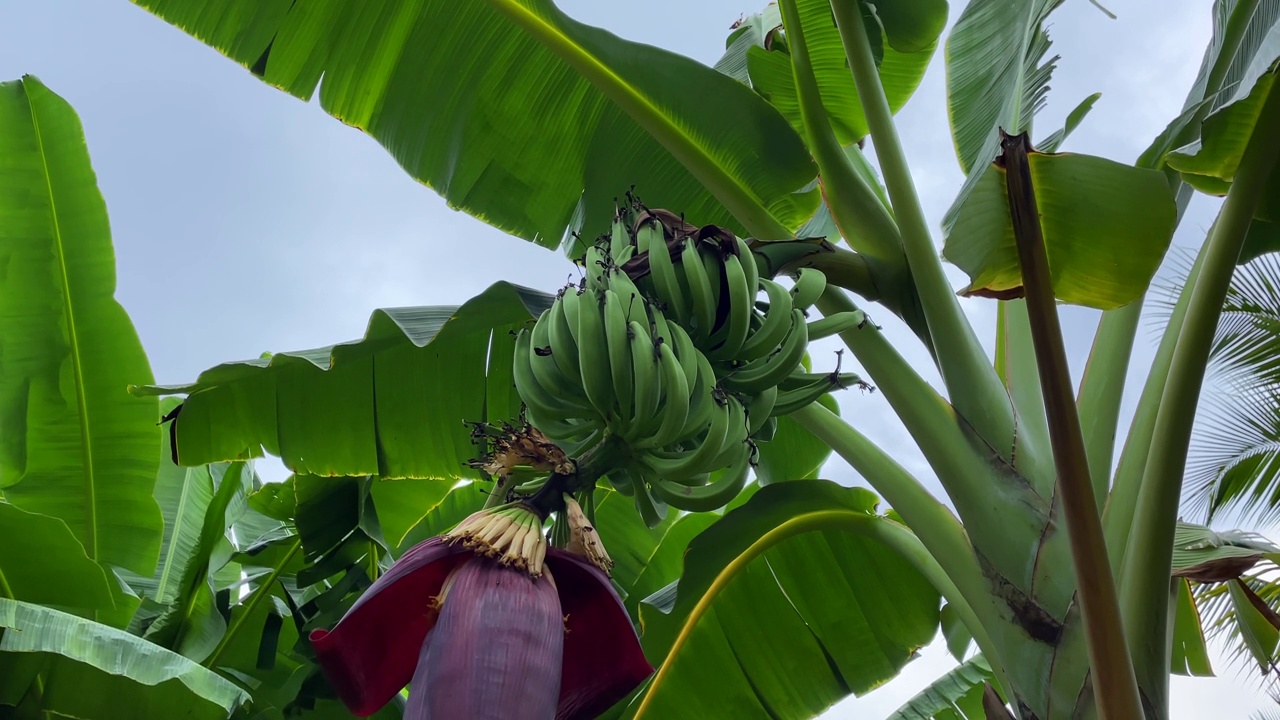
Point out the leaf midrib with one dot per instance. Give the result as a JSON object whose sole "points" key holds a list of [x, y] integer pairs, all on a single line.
{"points": [[91, 541]]}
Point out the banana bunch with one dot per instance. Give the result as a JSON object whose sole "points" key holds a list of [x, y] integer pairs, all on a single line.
{"points": [[605, 360], [686, 365]]}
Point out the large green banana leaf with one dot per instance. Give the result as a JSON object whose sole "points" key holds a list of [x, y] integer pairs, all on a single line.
{"points": [[391, 405], [1106, 228], [42, 562], [73, 444], [997, 76], [520, 115], [786, 604], [89, 670], [755, 55], [1106, 225]]}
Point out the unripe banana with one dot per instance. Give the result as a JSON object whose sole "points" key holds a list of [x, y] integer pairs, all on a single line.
{"points": [[836, 324], [703, 303], [748, 260], [771, 370], [773, 326], [810, 282], [593, 355], [652, 510], [597, 267], [535, 397], [564, 349], [648, 385], [666, 283], [616, 331], [620, 236], [792, 400], [702, 458], [760, 409], [649, 235], [740, 299], [713, 496], [675, 403], [836, 380]]}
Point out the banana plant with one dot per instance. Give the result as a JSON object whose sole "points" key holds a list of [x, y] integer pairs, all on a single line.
{"points": [[1062, 572]]}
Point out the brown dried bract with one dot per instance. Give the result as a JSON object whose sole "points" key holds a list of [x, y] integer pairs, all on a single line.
{"points": [[583, 538], [523, 446]]}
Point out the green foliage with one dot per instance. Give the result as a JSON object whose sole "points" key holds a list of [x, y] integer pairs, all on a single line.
{"points": [[420, 372], [760, 617], [902, 66], [90, 670], [1106, 229], [957, 695], [581, 111], [74, 446]]}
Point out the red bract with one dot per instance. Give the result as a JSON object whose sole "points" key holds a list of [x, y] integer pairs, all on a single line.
{"points": [[495, 618]]}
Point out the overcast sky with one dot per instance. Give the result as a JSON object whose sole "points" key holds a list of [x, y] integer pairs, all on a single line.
{"points": [[245, 220]]}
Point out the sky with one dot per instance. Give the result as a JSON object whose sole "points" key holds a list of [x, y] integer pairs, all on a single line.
{"points": [[245, 220]]}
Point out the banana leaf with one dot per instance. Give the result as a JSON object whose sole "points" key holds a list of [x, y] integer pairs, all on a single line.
{"points": [[789, 602], [73, 444], [391, 405], [518, 114]]}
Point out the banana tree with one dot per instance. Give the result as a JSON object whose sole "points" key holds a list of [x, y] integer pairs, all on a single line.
{"points": [[1060, 570]]}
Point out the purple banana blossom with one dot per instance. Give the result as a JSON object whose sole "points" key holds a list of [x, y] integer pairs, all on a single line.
{"points": [[500, 644]]}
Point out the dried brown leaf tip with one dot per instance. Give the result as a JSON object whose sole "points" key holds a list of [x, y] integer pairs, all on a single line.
{"points": [[518, 447], [584, 541]]}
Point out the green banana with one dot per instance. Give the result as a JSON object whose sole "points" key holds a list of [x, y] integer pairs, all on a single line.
{"points": [[662, 272], [648, 384], [836, 324], [741, 300], [685, 352], [713, 266], [651, 510], [676, 400], [622, 481], [810, 282], [749, 267], [649, 234], [703, 298], [760, 408], [615, 331], [546, 370], [771, 370], [593, 355], [619, 238], [712, 496], [792, 400], [535, 397], [702, 403], [564, 348], [597, 266], [659, 327], [632, 299], [836, 380], [701, 459], [773, 326]]}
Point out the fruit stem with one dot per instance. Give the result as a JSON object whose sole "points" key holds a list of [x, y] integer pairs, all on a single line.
{"points": [[611, 453]]}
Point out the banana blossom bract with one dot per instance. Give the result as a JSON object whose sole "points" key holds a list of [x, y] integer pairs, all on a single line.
{"points": [[498, 644]]}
